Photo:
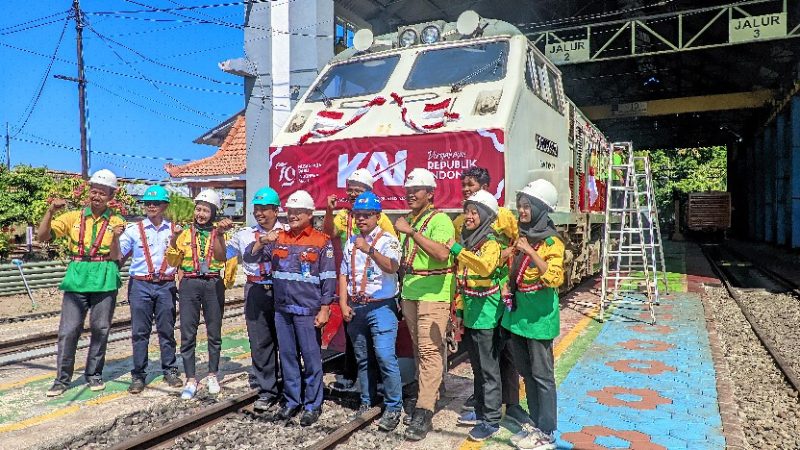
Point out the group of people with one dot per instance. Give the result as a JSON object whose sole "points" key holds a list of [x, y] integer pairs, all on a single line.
{"points": [[499, 272]]}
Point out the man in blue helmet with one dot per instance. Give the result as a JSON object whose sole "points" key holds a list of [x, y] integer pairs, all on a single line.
{"points": [[368, 286], [151, 289], [259, 307]]}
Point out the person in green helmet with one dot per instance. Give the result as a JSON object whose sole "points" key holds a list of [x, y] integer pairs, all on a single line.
{"points": [[259, 306], [152, 294]]}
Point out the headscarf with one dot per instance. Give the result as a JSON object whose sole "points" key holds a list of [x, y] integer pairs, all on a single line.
{"points": [[471, 238], [538, 229], [208, 226]]}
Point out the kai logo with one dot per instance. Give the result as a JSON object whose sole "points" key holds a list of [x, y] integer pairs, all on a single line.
{"points": [[392, 173]]}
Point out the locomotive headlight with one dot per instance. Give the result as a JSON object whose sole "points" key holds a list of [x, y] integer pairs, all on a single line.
{"points": [[431, 34], [408, 38]]}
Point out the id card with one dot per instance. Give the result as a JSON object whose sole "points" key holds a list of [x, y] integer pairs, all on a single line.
{"points": [[204, 268]]}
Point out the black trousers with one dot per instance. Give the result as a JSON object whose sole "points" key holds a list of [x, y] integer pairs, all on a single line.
{"points": [[194, 295], [74, 307], [509, 377], [259, 314], [485, 347], [534, 360]]}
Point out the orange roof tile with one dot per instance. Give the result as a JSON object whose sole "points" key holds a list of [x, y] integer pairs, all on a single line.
{"points": [[230, 158]]}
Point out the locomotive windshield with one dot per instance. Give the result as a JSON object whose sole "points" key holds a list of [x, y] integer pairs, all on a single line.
{"points": [[354, 79], [459, 66]]}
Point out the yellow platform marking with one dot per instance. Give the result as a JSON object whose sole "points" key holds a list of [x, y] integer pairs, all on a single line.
{"points": [[562, 346]]}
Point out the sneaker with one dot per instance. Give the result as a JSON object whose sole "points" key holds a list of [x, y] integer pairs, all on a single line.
{"points": [[389, 420], [57, 389], [96, 384], [189, 390], [469, 405], [173, 380], [212, 384], [516, 414], [468, 418], [264, 405], [137, 386], [361, 410], [420, 425], [527, 428], [483, 431], [538, 440]]}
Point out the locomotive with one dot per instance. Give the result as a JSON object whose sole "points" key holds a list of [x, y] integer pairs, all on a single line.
{"points": [[446, 97]]}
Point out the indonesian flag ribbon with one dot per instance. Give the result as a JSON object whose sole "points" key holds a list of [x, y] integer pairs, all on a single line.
{"points": [[327, 123], [438, 111]]}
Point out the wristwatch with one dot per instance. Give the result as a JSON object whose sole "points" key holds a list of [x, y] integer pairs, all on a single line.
{"points": [[371, 251]]}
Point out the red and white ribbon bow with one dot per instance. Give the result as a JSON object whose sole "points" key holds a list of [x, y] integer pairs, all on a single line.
{"points": [[439, 111], [327, 123]]}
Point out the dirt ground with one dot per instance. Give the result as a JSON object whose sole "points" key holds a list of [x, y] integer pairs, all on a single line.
{"points": [[46, 300]]}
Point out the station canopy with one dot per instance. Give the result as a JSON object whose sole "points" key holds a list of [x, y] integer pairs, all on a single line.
{"points": [[662, 74]]}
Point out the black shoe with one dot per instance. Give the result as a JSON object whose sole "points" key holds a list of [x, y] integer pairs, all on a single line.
{"points": [[469, 405], [173, 380], [287, 413], [137, 386], [389, 420], [96, 384], [263, 405], [310, 417], [420, 425], [361, 410], [57, 389], [409, 408]]}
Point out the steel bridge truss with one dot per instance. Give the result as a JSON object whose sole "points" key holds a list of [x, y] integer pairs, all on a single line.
{"points": [[704, 28]]}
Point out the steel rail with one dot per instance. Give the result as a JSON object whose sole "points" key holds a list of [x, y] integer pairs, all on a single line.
{"points": [[783, 365]]}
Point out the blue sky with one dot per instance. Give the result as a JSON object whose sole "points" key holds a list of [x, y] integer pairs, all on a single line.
{"points": [[187, 93]]}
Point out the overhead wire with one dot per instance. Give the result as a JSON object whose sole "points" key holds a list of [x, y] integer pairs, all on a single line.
{"points": [[121, 74], [60, 13], [5, 33], [52, 143], [35, 100], [146, 108]]}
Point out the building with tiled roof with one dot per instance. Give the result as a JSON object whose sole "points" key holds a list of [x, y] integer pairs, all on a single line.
{"points": [[226, 168]]}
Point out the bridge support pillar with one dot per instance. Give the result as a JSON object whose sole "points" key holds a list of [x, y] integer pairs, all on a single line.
{"points": [[795, 172]]}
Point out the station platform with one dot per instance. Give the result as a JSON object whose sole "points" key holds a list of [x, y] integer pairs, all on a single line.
{"points": [[622, 383]]}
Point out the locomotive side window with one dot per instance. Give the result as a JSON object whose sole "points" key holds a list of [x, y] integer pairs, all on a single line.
{"points": [[555, 84], [531, 74], [459, 66], [354, 79]]}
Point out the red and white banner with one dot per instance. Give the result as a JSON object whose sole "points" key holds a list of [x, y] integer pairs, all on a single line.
{"points": [[439, 111], [321, 168], [327, 123]]}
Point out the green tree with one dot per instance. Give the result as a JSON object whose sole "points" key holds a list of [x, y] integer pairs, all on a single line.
{"points": [[180, 210], [23, 195]]}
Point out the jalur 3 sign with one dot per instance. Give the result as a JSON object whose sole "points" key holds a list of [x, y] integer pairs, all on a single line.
{"points": [[321, 168]]}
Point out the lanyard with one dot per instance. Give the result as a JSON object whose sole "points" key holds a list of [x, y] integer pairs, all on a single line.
{"points": [[367, 263], [523, 266], [146, 250], [209, 244], [411, 257], [98, 239], [350, 220], [262, 266]]}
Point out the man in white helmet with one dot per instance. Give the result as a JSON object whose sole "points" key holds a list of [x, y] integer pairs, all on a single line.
{"points": [[92, 278], [304, 286], [341, 228], [427, 291]]}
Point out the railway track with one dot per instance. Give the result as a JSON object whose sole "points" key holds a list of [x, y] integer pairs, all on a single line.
{"points": [[49, 338], [41, 315], [738, 274]]}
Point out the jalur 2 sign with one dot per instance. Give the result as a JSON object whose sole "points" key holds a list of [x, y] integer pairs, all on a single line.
{"points": [[321, 168]]}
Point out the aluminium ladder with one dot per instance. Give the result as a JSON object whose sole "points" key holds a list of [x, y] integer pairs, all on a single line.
{"points": [[626, 263]]}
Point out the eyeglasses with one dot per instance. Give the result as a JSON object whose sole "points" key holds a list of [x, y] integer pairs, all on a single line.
{"points": [[153, 203], [363, 215]]}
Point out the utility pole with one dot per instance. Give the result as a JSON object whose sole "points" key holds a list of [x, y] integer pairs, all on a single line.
{"points": [[76, 6], [8, 149]]}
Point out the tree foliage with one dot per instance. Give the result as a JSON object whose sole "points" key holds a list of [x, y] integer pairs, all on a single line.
{"points": [[180, 210], [677, 172]]}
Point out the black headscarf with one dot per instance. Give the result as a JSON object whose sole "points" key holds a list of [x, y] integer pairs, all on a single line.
{"points": [[471, 238], [538, 229], [208, 226]]}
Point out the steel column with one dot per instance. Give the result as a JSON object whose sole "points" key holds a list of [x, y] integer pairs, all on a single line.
{"points": [[780, 168], [795, 172], [767, 166]]}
